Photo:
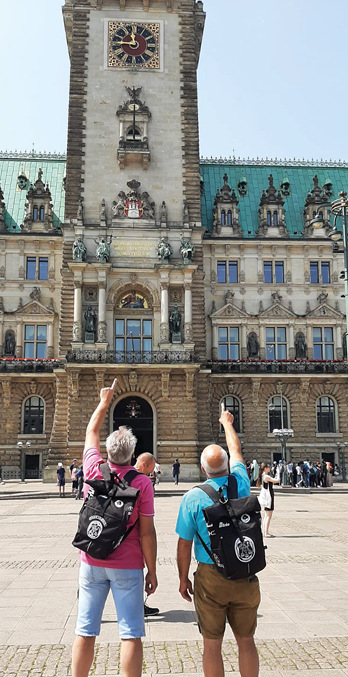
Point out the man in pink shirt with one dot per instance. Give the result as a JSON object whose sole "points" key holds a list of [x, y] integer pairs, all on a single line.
{"points": [[122, 571]]}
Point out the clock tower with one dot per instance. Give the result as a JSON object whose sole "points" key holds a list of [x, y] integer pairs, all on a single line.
{"points": [[132, 301]]}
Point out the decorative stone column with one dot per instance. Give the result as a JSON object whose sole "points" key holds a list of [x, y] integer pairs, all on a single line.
{"points": [[214, 350], [164, 330], [50, 341], [77, 327], [102, 312], [19, 340], [188, 311], [291, 348], [339, 347]]}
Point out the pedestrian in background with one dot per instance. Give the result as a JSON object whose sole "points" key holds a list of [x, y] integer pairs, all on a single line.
{"points": [[61, 479], [176, 471], [80, 480], [265, 481]]}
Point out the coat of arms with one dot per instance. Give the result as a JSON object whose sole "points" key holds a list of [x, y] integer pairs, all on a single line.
{"points": [[133, 209]]}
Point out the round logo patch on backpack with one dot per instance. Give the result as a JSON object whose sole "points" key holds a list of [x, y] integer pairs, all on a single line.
{"points": [[245, 550], [94, 529]]}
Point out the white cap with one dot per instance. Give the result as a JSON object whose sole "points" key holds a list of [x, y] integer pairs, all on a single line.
{"points": [[60, 465]]}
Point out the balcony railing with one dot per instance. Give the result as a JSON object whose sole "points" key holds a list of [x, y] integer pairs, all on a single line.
{"points": [[278, 367], [27, 365], [130, 357]]}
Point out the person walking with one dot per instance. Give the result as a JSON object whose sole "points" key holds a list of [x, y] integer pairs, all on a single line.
{"points": [[266, 481], [61, 480], [122, 571], [80, 481], [216, 598], [176, 471]]}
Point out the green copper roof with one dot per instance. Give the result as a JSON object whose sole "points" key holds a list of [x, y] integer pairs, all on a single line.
{"points": [[12, 165], [300, 175]]}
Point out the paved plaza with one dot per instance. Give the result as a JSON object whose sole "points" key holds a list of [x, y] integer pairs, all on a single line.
{"points": [[303, 618]]}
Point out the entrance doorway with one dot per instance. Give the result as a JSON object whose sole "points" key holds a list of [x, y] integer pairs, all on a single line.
{"points": [[329, 457], [136, 413], [32, 467]]}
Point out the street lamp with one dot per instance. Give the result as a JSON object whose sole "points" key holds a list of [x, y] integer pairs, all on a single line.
{"points": [[339, 208], [282, 434]]}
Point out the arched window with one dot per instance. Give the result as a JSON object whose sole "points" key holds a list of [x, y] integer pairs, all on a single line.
{"points": [[233, 405], [42, 213], [275, 218], [229, 218], [277, 413], [326, 419], [33, 419], [223, 218], [133, 134], [35, 213], [269, 219]]}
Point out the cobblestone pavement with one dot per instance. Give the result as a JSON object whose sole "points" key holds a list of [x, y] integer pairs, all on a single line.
{"points": [[303, 618], [168, 658]]}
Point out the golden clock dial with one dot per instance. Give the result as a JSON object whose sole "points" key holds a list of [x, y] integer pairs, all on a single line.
{"points": [[133, 44]]}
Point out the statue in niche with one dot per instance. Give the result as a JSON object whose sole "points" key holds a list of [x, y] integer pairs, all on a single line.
{"points": [[103, 249], [90, 322], [80, 210], [163, 212], [187, 249], [301, 349], [185, 213], [164, 250], [344, 345], [79, 249], [253, 346], [10, 344], [175, 325]]}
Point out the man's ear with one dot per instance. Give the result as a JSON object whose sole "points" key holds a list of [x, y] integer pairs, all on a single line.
{"points": [[202, 469]]}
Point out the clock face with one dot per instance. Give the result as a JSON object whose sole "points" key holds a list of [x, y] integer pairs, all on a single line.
{"points": [[133, 45]]}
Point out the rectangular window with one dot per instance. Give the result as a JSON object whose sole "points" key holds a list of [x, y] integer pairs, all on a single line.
{"points": [[267, 272], [323, 344], [273, 271], [31, 268], [221, 271], [276, 346], [279, 272], [320, 272], [229, 268], [37, 268], [132, 339], [35, 341], [228, 348], [314, 272], [233, 272]]}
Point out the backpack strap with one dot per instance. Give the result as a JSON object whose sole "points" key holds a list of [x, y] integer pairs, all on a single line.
{"points": [[232, 489], [129, 476]]}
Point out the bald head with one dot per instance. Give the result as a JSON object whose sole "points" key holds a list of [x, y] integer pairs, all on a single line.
{"points": [[145, 463], [214, 461]]}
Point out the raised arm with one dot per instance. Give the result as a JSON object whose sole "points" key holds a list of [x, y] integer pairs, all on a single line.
{"points": [[232, 440], [98, 416]]}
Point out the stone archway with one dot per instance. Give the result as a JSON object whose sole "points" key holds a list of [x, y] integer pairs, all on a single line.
{"points": [[136, 413]]}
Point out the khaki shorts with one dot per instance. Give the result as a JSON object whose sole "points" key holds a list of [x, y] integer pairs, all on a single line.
{"points": [[217, 599]]}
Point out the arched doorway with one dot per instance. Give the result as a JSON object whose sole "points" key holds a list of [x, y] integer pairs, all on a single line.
{"points": [[136, 413]]}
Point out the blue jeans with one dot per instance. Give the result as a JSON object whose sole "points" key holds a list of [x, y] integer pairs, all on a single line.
{"points": [[127, 587]]}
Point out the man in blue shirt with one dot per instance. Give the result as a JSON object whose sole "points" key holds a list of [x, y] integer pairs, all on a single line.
{"points": [[216, 598]]}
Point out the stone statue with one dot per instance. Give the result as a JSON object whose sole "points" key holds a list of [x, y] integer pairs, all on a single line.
{"points": [[175, 321], [186, 250], [80, 210], [103, 249], [253, 346], [164, 250], [10, 344], [301, 350], [148, 206], [163, 212], [79, 249], [90, 321], [344, 345], [185, 213]]}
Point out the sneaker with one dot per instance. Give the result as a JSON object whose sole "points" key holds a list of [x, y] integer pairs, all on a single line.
{"points": [[150, 611]]}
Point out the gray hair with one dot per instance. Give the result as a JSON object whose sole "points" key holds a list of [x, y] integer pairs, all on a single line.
{"points": [[217, 470], [120, 445]]}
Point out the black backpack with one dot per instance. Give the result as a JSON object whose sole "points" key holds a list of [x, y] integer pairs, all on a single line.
{"points": [[104, 516], [234, 527]]}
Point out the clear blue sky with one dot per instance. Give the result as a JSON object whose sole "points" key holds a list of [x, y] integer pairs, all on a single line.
{"points": [[272, 78]]}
